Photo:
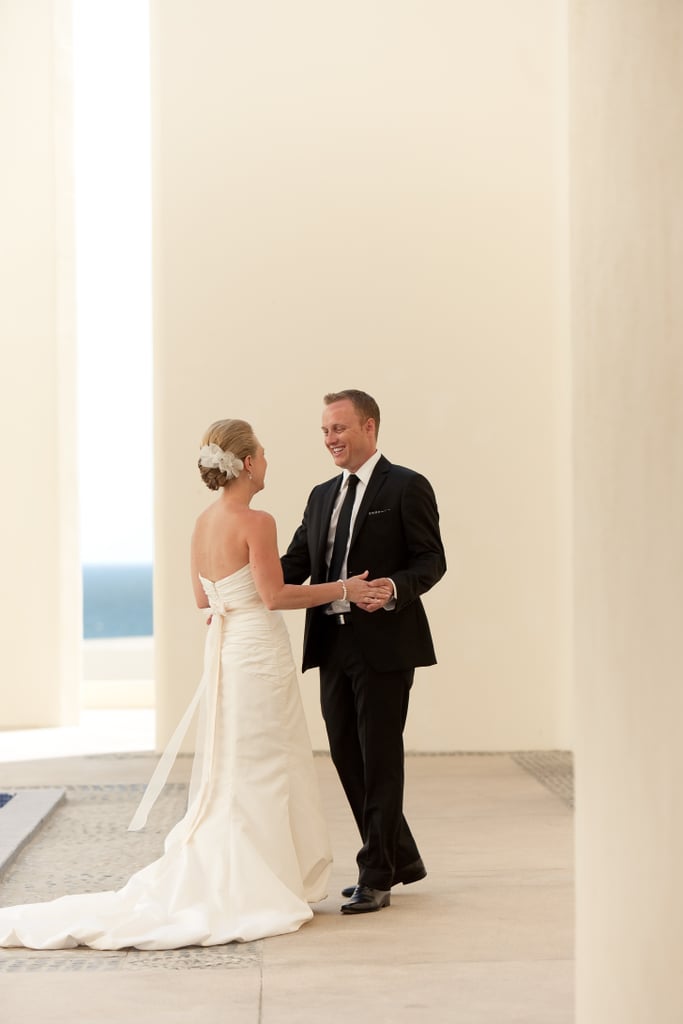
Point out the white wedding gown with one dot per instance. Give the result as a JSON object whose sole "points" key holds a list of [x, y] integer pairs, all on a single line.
{"points": [[252, 850]]}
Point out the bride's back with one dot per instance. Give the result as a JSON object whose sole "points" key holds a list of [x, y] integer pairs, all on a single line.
{"points": [[219, 541]]}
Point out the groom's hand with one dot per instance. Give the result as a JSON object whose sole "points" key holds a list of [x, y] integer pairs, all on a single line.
{"points": [[381, 592]]}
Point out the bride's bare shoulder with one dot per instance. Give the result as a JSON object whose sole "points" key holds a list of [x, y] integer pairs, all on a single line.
{"points": [[260, 519]]}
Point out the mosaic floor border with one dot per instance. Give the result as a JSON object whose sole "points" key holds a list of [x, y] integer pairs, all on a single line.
{"points": [[57, 862], [554, 769], [229, 957]]}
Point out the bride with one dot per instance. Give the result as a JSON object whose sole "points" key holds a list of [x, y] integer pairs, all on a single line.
{"points": [[252, 850]]}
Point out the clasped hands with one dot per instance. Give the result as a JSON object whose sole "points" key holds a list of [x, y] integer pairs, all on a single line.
{"points": [[370, 595]]}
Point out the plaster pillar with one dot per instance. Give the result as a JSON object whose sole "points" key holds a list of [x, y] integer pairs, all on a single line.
{"points": [[40, 573], [627, 255]]}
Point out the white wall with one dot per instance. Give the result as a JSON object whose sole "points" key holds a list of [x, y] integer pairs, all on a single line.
{"points": [[373, 195], [39, 580], [627, 239]]}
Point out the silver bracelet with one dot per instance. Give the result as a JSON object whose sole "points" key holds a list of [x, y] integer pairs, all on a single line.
{"points": [[343, 597]]}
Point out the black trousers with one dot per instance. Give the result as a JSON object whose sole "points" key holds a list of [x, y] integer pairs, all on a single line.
{"points": [[365, 714]]}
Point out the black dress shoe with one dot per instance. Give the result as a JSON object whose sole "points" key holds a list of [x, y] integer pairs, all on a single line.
{"points": [[366, 900], [411, 873]]}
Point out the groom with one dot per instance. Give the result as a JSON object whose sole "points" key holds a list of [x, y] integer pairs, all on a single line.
{"points": [[383, 518]]}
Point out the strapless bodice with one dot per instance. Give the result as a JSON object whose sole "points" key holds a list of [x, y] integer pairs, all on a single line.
{"points": [[233, 592]]}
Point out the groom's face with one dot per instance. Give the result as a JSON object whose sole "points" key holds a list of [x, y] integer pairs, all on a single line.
{"points": [[349, 440]]}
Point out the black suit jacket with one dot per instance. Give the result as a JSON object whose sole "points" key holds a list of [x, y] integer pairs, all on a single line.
{"points": [[396, 534]]}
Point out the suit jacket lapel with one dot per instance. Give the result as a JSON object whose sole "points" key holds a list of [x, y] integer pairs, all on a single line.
{"points": [[375, 484]]}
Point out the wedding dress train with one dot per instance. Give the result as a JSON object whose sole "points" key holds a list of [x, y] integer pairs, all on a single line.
{"points": [[252, 850]]}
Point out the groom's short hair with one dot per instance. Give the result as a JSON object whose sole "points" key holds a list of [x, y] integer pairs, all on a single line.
{"points": [[364, 404]]}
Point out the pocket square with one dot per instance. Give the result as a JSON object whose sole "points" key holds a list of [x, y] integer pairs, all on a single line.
{"points": [[378, 511]]}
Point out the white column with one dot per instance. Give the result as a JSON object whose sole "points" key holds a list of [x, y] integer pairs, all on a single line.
{"points": [[374, 196], [39, 574], [627, 237]]}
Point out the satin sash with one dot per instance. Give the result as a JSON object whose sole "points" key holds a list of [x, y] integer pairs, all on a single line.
{"points": [[206, 698]]}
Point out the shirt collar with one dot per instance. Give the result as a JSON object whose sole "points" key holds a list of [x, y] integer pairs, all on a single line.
{"points": [[365, 471]]}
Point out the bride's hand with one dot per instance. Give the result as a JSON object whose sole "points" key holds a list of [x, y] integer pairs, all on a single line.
{"points": [[356, 588]]}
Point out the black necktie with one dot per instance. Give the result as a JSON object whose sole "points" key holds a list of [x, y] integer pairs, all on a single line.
{"points": [[341, 537]]}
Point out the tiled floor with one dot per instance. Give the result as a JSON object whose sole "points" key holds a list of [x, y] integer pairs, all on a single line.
{"points": [[486, 938]]}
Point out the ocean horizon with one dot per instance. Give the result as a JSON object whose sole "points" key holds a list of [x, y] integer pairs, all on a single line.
{"points": [[117, 600]]}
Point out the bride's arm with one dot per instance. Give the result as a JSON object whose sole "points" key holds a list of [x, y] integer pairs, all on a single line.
{"points": [[267, 572], [198, 590]]}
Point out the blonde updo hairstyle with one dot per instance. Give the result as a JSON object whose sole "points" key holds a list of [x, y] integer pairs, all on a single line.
{"points": [[234, 436]]}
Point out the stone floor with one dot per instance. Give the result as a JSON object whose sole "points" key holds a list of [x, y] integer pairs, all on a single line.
{"points": [[486, 938]]}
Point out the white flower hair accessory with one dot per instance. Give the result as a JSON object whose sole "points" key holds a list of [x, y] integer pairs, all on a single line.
{"points": [[212, 456]]}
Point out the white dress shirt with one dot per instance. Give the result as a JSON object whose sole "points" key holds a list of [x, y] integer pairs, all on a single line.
{"points": [[363, 473]]}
